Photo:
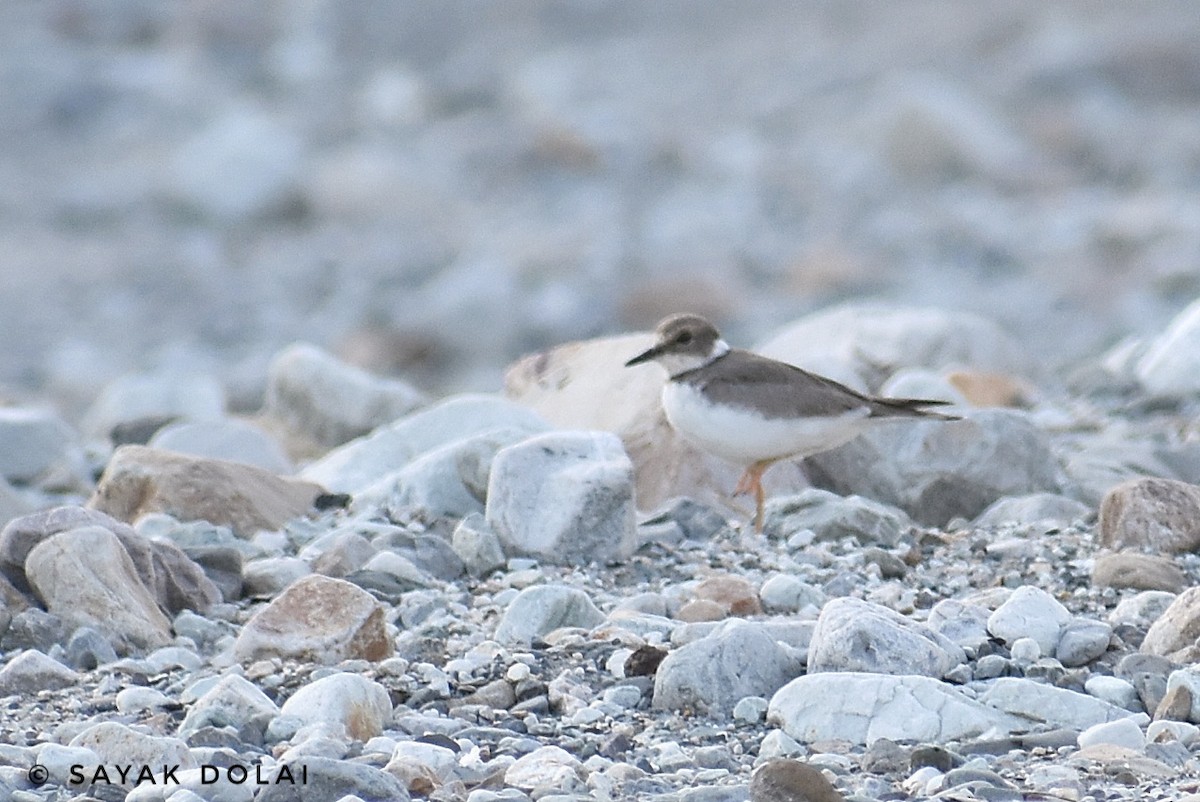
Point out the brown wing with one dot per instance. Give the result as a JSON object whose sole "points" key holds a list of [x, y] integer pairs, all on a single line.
{"points": [[781, 390]]}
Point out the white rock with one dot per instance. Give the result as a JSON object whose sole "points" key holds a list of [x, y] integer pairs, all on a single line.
{"points": [[59, 760], [137, 700], [541, 609], [784, 593], [564, 497], [329, 401], [360, 705], [1167, 730], [546, 766], [1030, 612], [1122, 732], [408, 756], [1039, 703], [362, 462], [1114, 690], [962, 622], [858, 636], [1142, 609], [1171, 365], [862, 708], [231, 701], [118, 744], [227, 439]]}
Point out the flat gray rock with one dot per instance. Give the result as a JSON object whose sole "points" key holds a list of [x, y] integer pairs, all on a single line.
{"points": [[857, 636], [541, 609], [833, 517], [1041, 704]]}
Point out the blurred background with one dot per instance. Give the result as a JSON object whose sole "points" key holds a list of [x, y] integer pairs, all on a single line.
{"points": [[431, 189]]}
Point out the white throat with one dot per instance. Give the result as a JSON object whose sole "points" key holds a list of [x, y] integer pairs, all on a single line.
{"points": [[681, 363]]}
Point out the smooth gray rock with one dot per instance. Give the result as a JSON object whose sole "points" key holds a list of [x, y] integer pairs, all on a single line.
{"points": [[1082, 640], [477, 546], [857, 636], [832, 517], [85, 576], [333, 779], [1030, 612], [862, 708], [938, 470], [36, 444], [540, 609], [1041, 704], [564, 497], [1138, 571], [1141, 610], [784, 593], [1115, 691], [360, 463], [268, 576], [1161, 516], [447, 481], [1043, 509], [329, 401], [227, 439], [31, 671], [711, 675], [427, 552]]}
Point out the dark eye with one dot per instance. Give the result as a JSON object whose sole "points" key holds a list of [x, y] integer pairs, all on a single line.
{"points": [[684, 337]]}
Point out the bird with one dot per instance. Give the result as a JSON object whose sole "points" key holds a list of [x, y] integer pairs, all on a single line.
{"points": [[753, 410]]}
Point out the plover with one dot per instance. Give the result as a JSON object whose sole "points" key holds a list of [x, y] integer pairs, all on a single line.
{"points": [[755, 411]]}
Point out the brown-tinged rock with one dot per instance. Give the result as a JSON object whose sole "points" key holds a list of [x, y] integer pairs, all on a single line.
{"points": [[737, 595], [1138, 571], [1176, 631], [700, 610], [1176, 705], [1159, 515], [785, 780], [982, 389], [85, 577], [141, 480], [317, 618]]}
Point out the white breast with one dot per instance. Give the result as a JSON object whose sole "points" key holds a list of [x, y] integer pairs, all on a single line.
{"points": [[744, 437]]}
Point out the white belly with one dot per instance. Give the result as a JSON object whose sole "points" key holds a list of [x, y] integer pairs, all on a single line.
{"points": [[744, 437]]}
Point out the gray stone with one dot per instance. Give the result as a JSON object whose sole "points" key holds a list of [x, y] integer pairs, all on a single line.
{"points": [[784, 593], [1141, 610], [360, 705], [30, 671], [544, 767], [227, 439], [179, 583], [360, 463], [784, 780], [1030, 612], [85, 576], [119, 744], [341, 552], [711, 675], [35, 444], [428, 552], [862, 708], [333, 779], [857, 636], [961, 622], [223, 566], [330, 402], [1122, 732], [1161, 516], [1115, 691], [34, 629], [1042, 509], [1082, 641], [832, 517], [564, 497], [477, 546], [183, 396], [1041, 704], [540, 609], [230, 701], [88, 649], [938, 470], [449, 481]]}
